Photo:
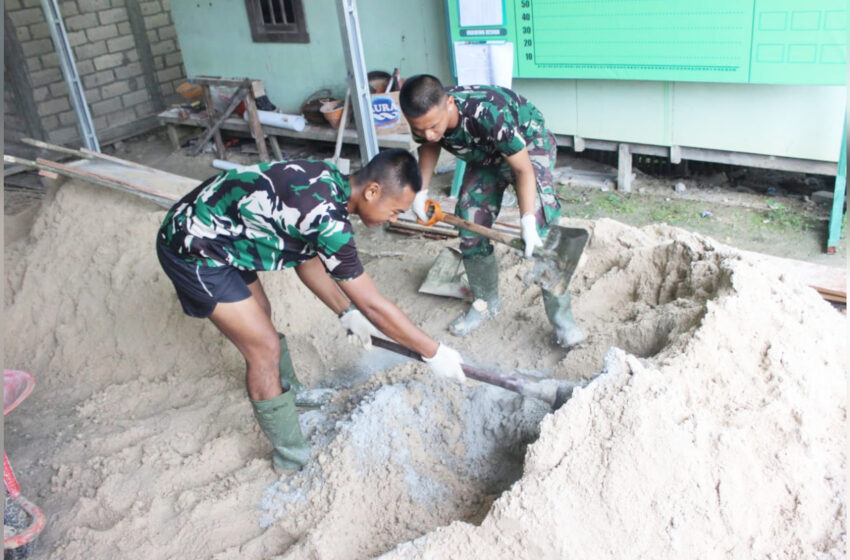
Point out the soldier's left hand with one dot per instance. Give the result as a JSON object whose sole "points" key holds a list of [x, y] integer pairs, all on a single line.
{"points": [[360, 330]]}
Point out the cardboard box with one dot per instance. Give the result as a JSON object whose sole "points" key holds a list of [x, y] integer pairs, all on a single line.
{"points": [[386, 112]]}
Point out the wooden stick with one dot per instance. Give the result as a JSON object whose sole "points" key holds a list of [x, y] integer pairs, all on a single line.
{"points": [[55, 148]]}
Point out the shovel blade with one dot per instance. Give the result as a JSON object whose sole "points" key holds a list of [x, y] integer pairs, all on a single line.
{"points": [[557, 261], [447, 276]]}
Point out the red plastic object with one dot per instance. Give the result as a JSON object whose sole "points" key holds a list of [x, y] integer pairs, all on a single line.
{"points": [[17, 385]]}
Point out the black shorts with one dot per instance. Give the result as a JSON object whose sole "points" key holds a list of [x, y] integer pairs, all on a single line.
{"points": [[200, 288]]}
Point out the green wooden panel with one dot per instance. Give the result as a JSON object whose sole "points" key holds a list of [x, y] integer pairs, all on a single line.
{"points": [[678, 40], [731, 41], [799, 43]]}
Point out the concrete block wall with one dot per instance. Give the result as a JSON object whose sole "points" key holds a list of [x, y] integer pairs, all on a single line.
{"points": [[129, 73]]}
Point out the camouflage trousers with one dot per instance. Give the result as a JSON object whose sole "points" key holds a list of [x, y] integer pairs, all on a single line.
{"points": [[483, 187]]}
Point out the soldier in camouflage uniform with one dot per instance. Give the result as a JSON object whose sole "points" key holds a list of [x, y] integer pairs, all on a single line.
{"points": [[277, 215], [503, 139]]}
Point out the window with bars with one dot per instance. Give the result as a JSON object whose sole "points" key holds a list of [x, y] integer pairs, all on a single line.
{"points": [[277, 21]]}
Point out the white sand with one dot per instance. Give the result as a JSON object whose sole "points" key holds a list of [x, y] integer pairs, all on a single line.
{"points": [[719, 435]]}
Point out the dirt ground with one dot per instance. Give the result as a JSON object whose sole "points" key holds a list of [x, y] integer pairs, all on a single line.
{"points": [[712, 424]]}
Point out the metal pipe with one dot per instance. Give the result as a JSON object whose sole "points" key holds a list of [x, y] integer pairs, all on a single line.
{"points": [[69, 71]]}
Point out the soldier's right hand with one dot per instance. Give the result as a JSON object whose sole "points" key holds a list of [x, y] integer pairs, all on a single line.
{"points": [[446, 363]]}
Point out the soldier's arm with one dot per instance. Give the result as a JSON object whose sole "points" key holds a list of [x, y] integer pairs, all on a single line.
{"points": [[524, 180], [313, 274], [386, 316], [428, 155]]}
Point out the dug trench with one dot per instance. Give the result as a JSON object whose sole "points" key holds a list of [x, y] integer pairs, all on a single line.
{"points": [[713, 421]]}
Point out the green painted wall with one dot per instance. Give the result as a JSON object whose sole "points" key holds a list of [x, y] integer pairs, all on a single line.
{"points": [[216, 40], [790, 121]]}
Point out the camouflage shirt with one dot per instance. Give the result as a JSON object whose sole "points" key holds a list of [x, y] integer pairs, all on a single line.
{"points": [[494, 122], [267, 216]]}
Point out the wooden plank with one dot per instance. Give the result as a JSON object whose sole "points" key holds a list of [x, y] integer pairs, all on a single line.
{"points": [[831, 295], [85, 153], [103, 179], [310, 132], [133, 164], [219, 81]]}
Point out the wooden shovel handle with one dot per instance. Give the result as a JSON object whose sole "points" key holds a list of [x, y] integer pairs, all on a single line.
{"points": [[509, 383], [436, 214]]}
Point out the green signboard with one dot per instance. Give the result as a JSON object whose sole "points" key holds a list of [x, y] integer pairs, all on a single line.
{"points": [[734, 41]]}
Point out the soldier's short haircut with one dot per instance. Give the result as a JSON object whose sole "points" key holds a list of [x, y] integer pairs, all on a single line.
{"points": [[419, 94], [394, 169]]}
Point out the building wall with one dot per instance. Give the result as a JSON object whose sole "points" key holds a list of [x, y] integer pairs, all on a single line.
{"points": [[110, 60], [215, 39], [775, 120]]}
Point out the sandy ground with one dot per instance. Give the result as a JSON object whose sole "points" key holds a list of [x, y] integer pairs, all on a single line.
{"points": [[714, 428]]}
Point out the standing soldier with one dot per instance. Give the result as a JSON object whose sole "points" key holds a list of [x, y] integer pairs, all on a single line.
{"points": [[503, 139], [285, 214]]}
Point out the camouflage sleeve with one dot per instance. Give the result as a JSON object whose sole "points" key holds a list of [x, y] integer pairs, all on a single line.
{"points": [[333, 238]]}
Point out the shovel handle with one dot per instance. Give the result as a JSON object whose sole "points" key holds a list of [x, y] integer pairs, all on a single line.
{"points": [[436, 214], [509, 383]]}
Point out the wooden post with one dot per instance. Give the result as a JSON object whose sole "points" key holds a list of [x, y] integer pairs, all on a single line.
{"points": [[173, 135], [255, 126], [624, 168], [578, 143], [278, 155], [675, 154]]}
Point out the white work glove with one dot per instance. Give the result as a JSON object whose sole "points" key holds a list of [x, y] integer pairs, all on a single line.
{"points": [[419, 205], [446, 364], [360, 330], [528, 223]]}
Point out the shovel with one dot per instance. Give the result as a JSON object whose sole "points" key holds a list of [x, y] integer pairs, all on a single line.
{"points": [[343, 164], [555, 262], [551, 391]]}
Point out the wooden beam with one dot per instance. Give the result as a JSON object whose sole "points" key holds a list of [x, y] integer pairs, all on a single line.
{"points": [[255, 126]]}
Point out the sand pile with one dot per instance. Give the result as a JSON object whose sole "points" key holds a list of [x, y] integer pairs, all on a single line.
{"points": [[719, 432]]}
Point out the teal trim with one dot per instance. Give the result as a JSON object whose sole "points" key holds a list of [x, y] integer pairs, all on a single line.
{"points": [[457, 179], [837, 214]]}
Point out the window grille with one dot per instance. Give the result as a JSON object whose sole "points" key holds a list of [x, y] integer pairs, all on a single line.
{"points": [[277, 21]]}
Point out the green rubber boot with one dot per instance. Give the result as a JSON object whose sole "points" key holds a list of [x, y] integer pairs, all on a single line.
{"points": [[483, 275], [560, 314], [304, 398], [287, 370], [279, 421]]}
